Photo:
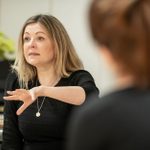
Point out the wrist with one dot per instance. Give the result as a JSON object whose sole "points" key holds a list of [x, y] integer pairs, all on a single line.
{"points": [[32, 93], [39, 91], [35, 92]]}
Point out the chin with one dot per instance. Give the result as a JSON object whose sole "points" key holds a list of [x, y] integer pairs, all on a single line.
{"points": [[33, 63]]}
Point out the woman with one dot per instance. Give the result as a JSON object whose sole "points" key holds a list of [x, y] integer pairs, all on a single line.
{"points": [[47, 81], [119, 120]]}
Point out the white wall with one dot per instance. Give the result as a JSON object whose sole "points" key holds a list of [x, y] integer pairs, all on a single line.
{"points": [[74, 16], [13, 14]]}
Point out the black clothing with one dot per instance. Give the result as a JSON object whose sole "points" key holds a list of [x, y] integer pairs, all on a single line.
{"points": [[117, 121], [47, 132]]}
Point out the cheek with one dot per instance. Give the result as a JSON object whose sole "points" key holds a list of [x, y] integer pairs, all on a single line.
{"points": [[49, 53], [49, 56]]}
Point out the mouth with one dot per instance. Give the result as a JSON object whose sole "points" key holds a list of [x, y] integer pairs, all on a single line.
{"points": [[34, 54]]}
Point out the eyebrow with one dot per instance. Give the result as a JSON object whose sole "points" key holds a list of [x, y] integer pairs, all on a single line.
{"points": [[36, 32]]}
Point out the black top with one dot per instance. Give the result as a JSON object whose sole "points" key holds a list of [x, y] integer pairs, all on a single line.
{"points": [[118, 121], [28, 132]]}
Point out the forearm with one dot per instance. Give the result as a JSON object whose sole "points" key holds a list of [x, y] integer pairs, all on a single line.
{"points": [[70, 94]]}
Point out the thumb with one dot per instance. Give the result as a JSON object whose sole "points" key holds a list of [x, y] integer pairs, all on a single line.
{"points": [[21, 109]]}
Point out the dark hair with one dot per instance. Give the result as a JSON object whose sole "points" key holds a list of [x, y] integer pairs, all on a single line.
{"points": [[123, 26]]}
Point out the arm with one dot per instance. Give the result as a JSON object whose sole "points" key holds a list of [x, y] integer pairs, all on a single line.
{"points": [[12, 138], [83, 86], [68, 94]]}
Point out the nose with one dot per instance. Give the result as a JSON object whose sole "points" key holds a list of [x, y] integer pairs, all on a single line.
{"points": [[32, 43]]}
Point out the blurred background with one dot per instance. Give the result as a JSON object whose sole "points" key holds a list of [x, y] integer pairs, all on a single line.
{"points": [[74, 16]]}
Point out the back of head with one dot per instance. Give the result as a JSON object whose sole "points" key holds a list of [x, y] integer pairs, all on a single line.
{"points": [[123, 26]]}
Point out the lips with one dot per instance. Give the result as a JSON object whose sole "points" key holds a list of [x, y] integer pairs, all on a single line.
{"points": [[34, 54]]}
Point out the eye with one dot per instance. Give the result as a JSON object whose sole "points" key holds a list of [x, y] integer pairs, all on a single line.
{"points": [[26, 39], [40, 38]]}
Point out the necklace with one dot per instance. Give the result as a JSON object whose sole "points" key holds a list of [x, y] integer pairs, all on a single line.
{"points": [[39, 107], [38, 114]]}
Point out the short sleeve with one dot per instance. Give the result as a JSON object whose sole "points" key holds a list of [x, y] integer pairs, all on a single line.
{"points": [[85, 80]]}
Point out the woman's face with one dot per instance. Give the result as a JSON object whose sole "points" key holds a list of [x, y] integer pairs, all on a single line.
{"points": [[37, 45]]}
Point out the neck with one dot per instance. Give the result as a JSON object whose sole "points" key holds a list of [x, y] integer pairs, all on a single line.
{"points": [[47, 76], [124, 81]]}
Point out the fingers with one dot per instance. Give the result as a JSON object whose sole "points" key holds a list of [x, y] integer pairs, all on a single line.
{"points": [[18, 94], [26, 96], [10, 92], [10, 98]]}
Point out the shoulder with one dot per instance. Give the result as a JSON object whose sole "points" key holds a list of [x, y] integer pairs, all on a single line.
{"points": [[81, 74], [11, 81], [85, 80], [82, 77], [12, 77]]}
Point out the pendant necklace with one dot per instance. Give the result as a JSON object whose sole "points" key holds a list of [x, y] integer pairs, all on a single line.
{"points": [[38, 114], [39, 107]]}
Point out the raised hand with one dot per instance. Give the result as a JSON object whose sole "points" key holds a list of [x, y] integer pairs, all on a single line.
{"points": [[26, 96]]}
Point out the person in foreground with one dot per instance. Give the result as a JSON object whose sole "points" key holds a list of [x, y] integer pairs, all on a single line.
{"points": [[120, 120], [46, 81]]}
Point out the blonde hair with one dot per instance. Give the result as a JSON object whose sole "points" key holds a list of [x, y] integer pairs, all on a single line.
{"points": [[66, 58]]}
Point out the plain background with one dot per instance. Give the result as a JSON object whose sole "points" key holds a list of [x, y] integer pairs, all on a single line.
{"points": [[74, 16]]}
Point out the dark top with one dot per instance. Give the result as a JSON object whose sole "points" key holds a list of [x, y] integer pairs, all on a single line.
{"points": [[118, 121], [28, 132]]}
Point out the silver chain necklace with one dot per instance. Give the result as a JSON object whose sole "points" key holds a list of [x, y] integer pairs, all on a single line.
{"points": [[38, 114]]}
